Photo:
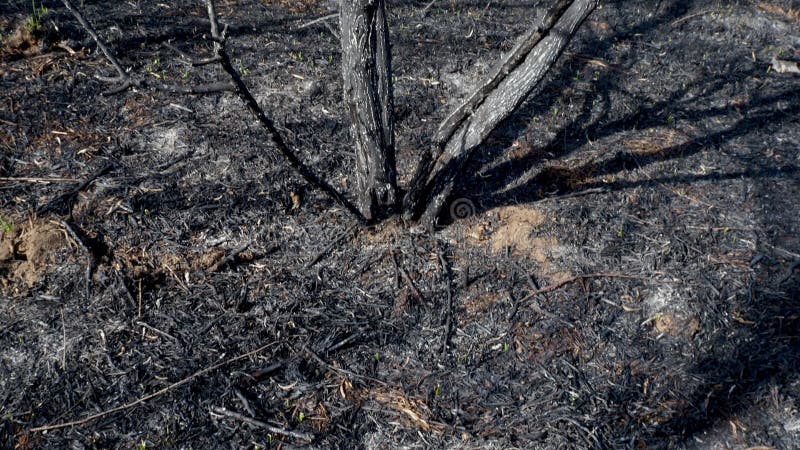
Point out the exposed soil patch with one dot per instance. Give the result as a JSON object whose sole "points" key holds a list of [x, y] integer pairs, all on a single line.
{"points": [[28, 250], [20, 44], [517, 229]]}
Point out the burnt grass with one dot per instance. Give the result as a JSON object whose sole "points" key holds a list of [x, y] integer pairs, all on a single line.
{"points": [[625, 276]]}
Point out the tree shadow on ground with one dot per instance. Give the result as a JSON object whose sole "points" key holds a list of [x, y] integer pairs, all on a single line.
{"points": [[744, 361], [589, 126]]}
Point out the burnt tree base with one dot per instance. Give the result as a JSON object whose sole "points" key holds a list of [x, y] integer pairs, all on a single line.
{"points": [[366, 70]]}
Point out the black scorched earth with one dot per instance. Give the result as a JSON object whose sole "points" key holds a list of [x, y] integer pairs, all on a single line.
{"points": [[621, 271]]}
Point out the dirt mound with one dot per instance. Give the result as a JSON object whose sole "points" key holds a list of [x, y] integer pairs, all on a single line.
{"points": [[27, 249]]}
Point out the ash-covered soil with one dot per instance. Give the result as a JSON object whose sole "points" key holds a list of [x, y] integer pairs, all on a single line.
{"points": [[627, 276]]}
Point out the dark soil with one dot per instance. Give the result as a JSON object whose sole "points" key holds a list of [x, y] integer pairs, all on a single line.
{"points": [[627, 276]]}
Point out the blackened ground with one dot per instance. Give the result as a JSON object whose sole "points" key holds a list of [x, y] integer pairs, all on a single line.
{"points": [[648, 190]]}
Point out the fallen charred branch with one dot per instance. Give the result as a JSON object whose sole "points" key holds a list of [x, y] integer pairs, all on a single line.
{"points": [[146, 398]]}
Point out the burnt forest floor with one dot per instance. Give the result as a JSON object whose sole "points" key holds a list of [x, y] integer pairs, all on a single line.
{"points": [[625, 273]]}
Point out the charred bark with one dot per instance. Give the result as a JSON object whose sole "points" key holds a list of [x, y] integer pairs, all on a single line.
{"points": [[470, 124], [366, 69]]}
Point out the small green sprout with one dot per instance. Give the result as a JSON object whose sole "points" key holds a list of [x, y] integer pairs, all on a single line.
{"points": [[301, 417], [5, 225], [34, 22], [242, 69]]}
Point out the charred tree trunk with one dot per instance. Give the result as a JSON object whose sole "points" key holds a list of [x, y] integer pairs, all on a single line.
{"points": [[366, 66], [469, 125]]}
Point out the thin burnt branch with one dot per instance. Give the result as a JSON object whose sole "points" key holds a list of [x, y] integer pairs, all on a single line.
{"points": [[257, 423], [123, 75], [557, 285], [126, 81], [146, 398], [187, 59], [267, 123], [336, 241], [221, 86], [230, 257], [212, 17]]}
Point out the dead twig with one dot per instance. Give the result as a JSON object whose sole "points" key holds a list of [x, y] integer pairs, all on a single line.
{"points": [[408, 280], [343, 342], [593, 61], [257, 423], [554, 286], [39, 180], [425, 8], [318, 20], [229, 258], [90, 259], [577, 194], [156, 330], [448, 326], [123, 77], [64, 340], [329, 247], [158, 393], [691, 16], [783, 252], [790, 272], [192, 61], [210, 88], [340, 370], [68, 196]]}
